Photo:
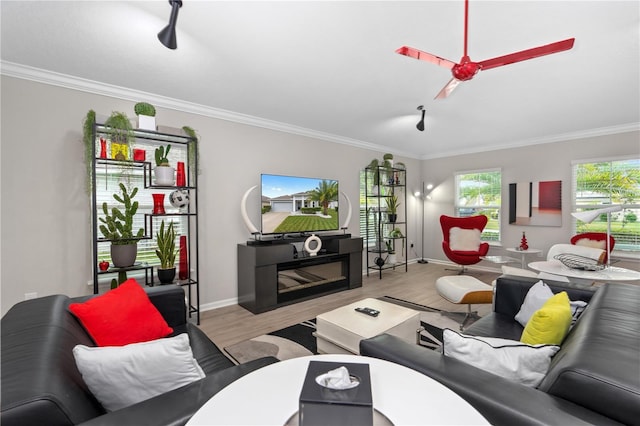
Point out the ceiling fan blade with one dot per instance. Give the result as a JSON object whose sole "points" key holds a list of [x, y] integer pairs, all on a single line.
{"points": [[523, 55], [424, 56], [446, 90]]}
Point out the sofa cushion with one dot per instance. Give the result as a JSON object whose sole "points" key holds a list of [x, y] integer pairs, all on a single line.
{"points": [[121, 316], [120, 376], [536, 297], [549, 324], [510, 359]]}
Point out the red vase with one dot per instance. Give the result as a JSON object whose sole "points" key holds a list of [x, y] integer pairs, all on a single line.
{"points": [[103, 148], [158, 203], [180, 176], [183, 265]]}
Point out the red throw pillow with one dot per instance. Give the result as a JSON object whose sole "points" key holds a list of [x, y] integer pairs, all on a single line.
{"points": [[121, 316]]}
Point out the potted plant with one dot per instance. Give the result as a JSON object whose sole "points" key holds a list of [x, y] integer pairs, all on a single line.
{"points": [[164, 172], [397, 233], [376, 166], [120, 131], [118, 228], [146, 115], [392, 252], [166, 252], [392, 207]]}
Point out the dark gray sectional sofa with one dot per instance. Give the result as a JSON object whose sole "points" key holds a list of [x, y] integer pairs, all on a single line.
{"points": [[593, 379], [42, 386]]}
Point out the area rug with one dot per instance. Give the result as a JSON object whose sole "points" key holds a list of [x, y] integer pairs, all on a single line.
{"points": [[298, 340]]}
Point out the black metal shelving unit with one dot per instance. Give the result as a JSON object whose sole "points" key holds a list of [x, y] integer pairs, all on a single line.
{"points": [[392, 181], [140, 173]]}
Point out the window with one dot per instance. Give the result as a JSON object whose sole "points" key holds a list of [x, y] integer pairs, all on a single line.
{"points": [[107, 183], [369, 238], [599, 183], [478, 192]]}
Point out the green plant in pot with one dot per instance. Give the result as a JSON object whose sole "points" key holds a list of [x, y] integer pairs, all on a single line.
{"points": [[164, 173], [118, 127], [146, 115], [397, 233], [166, 252], [392, 207], [381, 171], [117, 226]]}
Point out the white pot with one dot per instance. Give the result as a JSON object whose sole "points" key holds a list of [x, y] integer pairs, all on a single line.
{"points": [[392, 259], [165, 175], [146, 122]]}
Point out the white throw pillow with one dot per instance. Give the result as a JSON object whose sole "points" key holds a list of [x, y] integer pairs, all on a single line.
{"points": [[587, 242], [537, 295], [513, 360], [464, 239], [119, 376]]}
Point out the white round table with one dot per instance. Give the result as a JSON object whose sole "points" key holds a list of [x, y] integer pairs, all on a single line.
{"points": [[523, 253], [611, 273], [270, 395]]}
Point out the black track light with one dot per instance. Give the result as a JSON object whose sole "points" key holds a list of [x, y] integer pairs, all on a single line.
{"points": [[168, 35], [420, 125]]}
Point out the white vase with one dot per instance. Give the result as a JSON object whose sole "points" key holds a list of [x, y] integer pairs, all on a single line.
{"points": [[392, 259], [147, 122], [165, 175]]}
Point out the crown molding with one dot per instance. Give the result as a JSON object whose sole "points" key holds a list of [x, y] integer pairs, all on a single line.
{"points": [[104, 89]]}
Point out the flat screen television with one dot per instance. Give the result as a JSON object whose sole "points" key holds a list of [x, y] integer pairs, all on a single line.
{"points": [[293, 204]]}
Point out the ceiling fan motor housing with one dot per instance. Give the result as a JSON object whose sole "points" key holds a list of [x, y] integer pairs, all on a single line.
{"points": [[465, 70]]}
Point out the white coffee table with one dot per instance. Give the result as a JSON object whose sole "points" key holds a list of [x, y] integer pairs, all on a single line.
{"points": [[611, 273], [340, 330], [270, 396], [523, 253]]}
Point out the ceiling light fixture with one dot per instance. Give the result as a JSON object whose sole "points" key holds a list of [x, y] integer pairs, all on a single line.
{"points": [[420, 125], [168, 35]]}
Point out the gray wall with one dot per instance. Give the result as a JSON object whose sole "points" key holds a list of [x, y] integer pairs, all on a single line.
{"points": [[45, 210], [46, 231]]}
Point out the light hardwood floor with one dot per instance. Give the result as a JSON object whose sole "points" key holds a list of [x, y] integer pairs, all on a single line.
{"points": [[233, 324]]}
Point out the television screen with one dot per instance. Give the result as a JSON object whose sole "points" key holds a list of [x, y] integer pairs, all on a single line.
{"points": [[292, 204]]}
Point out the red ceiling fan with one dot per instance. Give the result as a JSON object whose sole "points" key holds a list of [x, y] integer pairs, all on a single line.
{"points": [[466, 69]]}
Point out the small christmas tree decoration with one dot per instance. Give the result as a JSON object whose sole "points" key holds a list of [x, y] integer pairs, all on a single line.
{"points": [[523, 243]]}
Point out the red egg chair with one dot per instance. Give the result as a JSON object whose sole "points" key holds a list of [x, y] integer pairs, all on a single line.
{"points": [[596, 240], [461, 246]]}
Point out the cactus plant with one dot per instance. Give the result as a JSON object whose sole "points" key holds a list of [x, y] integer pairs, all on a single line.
{"points": [[118, 226], [166, 250], [144, 108], [161, 155]]}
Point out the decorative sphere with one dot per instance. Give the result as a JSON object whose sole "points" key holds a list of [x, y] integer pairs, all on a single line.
{"points": [[179, 198]]}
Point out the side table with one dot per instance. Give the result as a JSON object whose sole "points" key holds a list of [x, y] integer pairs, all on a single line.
{"points": [[523, 254]]}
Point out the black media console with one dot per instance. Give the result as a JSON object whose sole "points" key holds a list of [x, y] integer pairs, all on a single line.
{"points": [[279, 272]]}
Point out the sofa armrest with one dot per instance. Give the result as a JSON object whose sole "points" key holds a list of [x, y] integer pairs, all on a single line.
{"points": [[499, 400], [169, 300], [176, 407]]}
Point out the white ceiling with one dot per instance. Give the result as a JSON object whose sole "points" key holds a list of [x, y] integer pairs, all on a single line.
{"points": [[329, 68]]}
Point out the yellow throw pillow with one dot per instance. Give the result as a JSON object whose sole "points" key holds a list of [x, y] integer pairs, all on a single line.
{"points": [[549, 324]]}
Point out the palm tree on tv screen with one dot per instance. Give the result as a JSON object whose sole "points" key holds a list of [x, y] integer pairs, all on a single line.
{"points": [[325, 193]]}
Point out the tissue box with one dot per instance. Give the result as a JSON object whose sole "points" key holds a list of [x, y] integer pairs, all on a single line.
{"points": [[323, 406]]}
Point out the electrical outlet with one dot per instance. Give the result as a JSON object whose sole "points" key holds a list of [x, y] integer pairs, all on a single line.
{"points": [[411, 245], [28, 296], [90, 283]]}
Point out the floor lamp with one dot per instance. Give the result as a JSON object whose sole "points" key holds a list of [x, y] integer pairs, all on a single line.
{"points": [[423, 196], [589, 216]]}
